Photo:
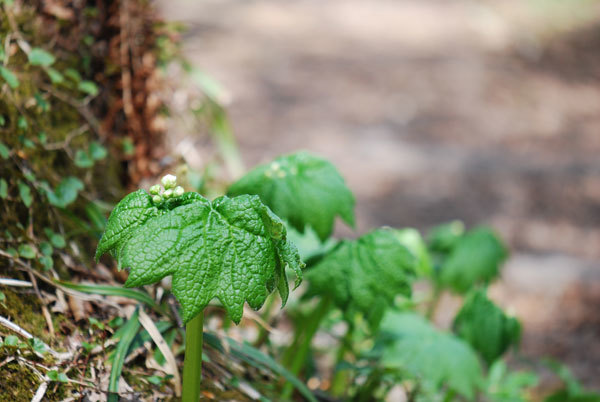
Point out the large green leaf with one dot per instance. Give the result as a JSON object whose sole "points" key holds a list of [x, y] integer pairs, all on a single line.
{"points": [[476, 258], [365, 274], [412, 346], [303, 189], [234, 249], [485, 326]]}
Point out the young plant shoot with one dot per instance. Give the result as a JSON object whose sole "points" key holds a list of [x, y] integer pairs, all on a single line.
{"points": [[234, 249]]}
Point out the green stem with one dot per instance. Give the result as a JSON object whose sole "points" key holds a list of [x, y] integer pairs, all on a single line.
{"points": [[302, 351], [192, 366], [263, 334], [340, 379], [435, 301]]}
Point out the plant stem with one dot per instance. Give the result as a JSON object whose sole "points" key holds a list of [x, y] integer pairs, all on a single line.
{"points": [[435, 300], [340, 379], [263, 334], [311, 328], [192, 366]]}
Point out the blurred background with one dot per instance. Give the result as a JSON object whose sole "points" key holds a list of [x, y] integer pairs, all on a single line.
{"points": [[484, 111]]}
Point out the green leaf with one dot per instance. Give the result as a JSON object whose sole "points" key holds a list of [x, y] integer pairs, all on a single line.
{"points": [[485, 326], [22, 124], [41, 102], [26, 251], [56, 239], [505, 386], [65, 193], [303, 189], [40, 57], [258, 359], [11, 340], [55, 76], [37, 345], [54, 375], [234, 249], [88, 87], [46, 261], [73, 74], [45, 248], [112, 291], [97, 151], [365, 274], [4, 151], [412, 240], [10, 78], [444, 237], [25, 193], [83, 159], [475, 259], [3, 189], [130, 329], [413, 346]]}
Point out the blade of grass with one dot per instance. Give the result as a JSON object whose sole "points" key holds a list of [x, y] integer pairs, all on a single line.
{"points": [[158, 339], [106, 290], [131, 328], [258, 359]]}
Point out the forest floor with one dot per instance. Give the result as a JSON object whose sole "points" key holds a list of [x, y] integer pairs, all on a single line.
{"points": [[481, 111]]}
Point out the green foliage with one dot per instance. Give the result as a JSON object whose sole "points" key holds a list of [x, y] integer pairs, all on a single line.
{"points": [[25, 193], [505, 386], [10, 78], [65, 193], [486, 327], [127, 335], [234, 249], [4, 151], [415, 348], [444, 237], [40, 57], [366, 274], [26, 251], [301, 188], [572, 391], [412, 240], [474, 259]]}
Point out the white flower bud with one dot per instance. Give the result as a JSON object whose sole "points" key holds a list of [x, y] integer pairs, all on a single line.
{"points": [[155, 189], [169, 181], [157, 198], [168, 193], [178, 191]]}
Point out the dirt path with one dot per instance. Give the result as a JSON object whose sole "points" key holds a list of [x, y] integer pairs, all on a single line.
{"points": [[484, 111]]}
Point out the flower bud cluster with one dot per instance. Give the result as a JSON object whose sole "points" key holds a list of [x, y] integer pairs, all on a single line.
{"points": [[169, 189]]}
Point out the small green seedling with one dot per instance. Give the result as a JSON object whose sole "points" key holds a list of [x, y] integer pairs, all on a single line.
{"points": [[234, 249]]}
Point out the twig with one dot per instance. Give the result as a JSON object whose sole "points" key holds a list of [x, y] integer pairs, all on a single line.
{"points": [[64, 144], [41, 391], [15, 282], [20, 331]]}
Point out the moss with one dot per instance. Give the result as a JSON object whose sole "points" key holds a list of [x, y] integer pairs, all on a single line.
{"points": [[19, 382], [25, 310]]}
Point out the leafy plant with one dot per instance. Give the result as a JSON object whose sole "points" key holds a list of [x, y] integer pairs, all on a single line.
{"points": [[486, 327], [234, 249], [414, 348], [303, 189]]}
